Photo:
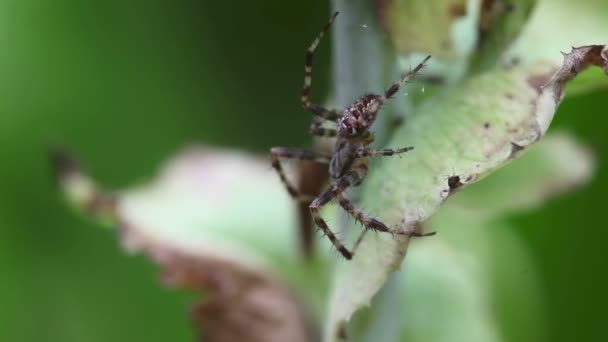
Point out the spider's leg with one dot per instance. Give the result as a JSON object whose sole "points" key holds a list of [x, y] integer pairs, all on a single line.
{"points": [[317, 130], [293, 153], [369, 152], [371, 223], [395, 87], [327, 114], [335, 190], [359, 239]]}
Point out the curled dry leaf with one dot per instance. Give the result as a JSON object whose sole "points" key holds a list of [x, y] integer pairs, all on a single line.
{"points": [[470, 132], [242, 302], [203, 223], [556, 165]]}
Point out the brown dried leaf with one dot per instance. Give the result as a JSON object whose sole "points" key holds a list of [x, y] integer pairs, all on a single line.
{"points": [[241, 302]]}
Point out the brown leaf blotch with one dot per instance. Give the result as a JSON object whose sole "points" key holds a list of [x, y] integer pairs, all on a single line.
{"points": [[538, 81]]}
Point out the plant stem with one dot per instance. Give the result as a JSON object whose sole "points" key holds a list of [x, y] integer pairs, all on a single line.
{"points": [[359, 59], [358, 54]]}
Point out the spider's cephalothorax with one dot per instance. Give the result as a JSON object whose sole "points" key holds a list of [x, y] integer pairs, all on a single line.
{"points": [[359, 117], [348, 164]]}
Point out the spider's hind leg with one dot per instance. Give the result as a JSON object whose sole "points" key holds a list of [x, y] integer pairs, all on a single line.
{"points": [[371, 223], [276, 153], [367, 221], [334, 191]]}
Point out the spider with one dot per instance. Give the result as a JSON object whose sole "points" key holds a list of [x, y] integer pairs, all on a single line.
{"points": [[349, 163]]}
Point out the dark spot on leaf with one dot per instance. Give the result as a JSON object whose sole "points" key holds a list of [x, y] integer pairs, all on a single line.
{"points": [[509, 96], [515, 150], [397, 121], [511, 63], [486, 125]]}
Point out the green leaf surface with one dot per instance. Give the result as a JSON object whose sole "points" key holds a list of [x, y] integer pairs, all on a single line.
{"points": [[470, 132], [555, 165], [499, 24], [447, 288], [558, 25], [206, 221], [423, 26]]}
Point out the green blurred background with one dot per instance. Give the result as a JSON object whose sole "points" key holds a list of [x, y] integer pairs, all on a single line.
{"points": [[126, 84]]}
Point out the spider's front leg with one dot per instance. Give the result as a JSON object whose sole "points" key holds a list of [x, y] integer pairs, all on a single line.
{"points": [[395, 87], [320, 111], [276, 153]]}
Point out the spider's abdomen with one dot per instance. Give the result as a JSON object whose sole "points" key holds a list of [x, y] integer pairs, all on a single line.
{"points": [[359, 117]]}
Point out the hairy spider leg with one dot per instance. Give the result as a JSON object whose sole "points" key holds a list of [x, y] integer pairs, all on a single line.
{"points": [[367, 221], [327, 114], [371, 223], [294, 153], [336, 190], [338, 187], [395, 87], [387, 152]]}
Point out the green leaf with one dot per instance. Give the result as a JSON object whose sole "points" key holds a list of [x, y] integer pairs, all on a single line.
{"points": [[450, 285], [499, 24], [423, 26], [555, 165], [468, 133], [207, 223]]}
